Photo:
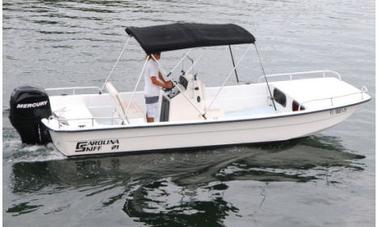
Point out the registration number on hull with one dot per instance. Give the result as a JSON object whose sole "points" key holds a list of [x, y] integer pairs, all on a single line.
{"points": [[338, 111]]}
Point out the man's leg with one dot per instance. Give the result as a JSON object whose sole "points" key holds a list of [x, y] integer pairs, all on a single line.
{"points": [[152, 109], [150, 113], [149, 119]]}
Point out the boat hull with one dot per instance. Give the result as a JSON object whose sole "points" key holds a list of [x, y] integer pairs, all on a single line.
{"points": [[173, 136]]}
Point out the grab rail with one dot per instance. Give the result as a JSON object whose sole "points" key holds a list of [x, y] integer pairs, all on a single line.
{"points": [[306, 73], [361, 92], [74, 89]]}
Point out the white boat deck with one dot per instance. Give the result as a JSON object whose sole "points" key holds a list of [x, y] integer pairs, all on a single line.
{"points": [[250, 113]]}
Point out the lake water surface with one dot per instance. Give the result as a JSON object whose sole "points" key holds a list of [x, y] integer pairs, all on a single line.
{"points": [[322, 180]]}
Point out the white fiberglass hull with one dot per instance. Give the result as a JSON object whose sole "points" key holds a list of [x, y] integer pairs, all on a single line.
{"points": [[199, 134]]}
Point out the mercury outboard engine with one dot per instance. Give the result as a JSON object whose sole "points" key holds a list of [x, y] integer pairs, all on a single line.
{"points": [[28, 105]]}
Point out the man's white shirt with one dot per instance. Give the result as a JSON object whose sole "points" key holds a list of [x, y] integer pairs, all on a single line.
{"points": [[152, 69]]}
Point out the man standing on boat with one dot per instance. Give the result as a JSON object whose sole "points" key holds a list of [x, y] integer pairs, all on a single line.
{"points": [[153, 81]]}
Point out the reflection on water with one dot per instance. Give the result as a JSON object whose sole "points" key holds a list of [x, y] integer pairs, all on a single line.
{"points": [[184, 188], [164, 203]]}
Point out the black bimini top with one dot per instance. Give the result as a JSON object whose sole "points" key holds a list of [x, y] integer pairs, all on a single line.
{"points": [[177, 36]]}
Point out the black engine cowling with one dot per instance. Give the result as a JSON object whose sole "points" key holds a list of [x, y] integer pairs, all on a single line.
{"points": [[28, 105]]}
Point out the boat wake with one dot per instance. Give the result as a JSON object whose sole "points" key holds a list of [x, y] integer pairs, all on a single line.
{"points": [[14, 151], [35, 153]]}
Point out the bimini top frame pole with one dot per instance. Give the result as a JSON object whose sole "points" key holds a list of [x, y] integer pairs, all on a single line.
{"points": [[233, 64], [135, 87], [228, 76], [266, 79], [115, 64]]}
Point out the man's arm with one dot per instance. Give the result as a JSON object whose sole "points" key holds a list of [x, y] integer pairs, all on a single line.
{"points": [[162, 78], [163, 83]]}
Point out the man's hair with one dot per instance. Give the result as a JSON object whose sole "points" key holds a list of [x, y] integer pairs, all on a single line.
{"points": [[149, 56]]}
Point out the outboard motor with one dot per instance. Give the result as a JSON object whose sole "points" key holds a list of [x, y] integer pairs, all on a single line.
{"points": [[28, 105]]}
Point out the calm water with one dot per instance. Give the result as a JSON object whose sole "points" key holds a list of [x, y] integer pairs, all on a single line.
{"points": [[323, 180]]}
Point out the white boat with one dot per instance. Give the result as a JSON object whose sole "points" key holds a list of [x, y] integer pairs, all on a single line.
{"points": [[277, 107]]}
